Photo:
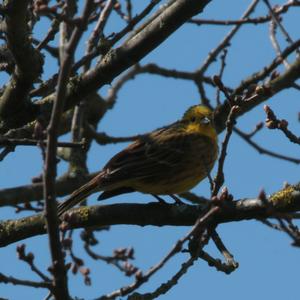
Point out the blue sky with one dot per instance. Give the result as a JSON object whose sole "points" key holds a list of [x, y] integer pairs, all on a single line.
{"points": [[267, 260]]}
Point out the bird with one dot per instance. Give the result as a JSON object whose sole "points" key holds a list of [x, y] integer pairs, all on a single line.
{"points": [[167, 161]]}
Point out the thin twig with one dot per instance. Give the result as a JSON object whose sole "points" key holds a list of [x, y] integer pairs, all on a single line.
{"points": [[217, 263], [103, 139], [199, 225], [275, 43], [152, 68], [223, 64], [134, 21], [88, 57], [204, 99], [16, 281], [291, 230], [120, 259], [6, 151], [10, 142], [219, 179], [29, 259], [256, 77], [98, 30], [165, 287], [279, 24], [273, 123], [59, 271], [113, 91], [259, 126], [50, 35], [225, 42], [223, 250], [262, 150], [258, 20], [129, 10]]}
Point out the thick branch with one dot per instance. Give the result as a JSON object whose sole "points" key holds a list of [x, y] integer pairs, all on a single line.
{"points": [[283, 81], [14, 101], [133, 50], [156, 214], [34, 192]]}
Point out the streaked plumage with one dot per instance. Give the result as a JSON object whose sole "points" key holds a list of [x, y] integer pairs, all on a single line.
{"points": [[169, 160]]}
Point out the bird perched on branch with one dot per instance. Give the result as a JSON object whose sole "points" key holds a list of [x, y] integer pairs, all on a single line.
{"points": [[166, 161]]}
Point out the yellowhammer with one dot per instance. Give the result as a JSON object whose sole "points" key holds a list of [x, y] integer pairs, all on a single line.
{"points": [[167, 161]]}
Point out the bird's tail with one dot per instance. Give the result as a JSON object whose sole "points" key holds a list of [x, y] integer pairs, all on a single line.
{"points": [[79, 195]]}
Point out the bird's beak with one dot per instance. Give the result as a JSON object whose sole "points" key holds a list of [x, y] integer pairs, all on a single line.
{"points": [[205, 121]]}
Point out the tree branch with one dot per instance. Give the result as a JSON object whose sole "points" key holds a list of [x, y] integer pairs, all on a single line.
{"points": [[58, 265], [155, 214], [16, 281], [283, 81], [130, 52], [34, 192], [15, 107]]}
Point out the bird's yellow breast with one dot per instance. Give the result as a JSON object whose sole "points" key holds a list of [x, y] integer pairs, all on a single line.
{"points": [[194, 166], [194, 128]]}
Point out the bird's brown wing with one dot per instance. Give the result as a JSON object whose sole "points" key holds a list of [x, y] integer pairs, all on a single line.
{"points": [[147, 157], [154, 160], [141, 159]]}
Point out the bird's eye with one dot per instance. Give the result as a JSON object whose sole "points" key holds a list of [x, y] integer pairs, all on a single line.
{"points": [[193, 119], [205, 121]]}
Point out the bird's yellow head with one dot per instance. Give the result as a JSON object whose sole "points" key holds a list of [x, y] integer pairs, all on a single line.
{"points": [[199, 119]]}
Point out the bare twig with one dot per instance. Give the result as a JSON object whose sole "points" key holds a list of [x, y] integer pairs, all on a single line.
{"points": [[275, 43], [273, 123], [120, 259], [247, 138], [50, 35], [152, 68], [217, 263], [199, 225], [290, 229], [34, 192], [113, 91], [103, 139], [219, 179], [6, 151], [134, 21], [165, 287], [263, 19], [256, 77], [16, 281], [279, 24], [221, 247], [10, 142], [223, 64], [59, 271], [28, 207], [29, 259], [98, 30], [129, 10], [214, 53], [94, 53], [259, 126]]}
